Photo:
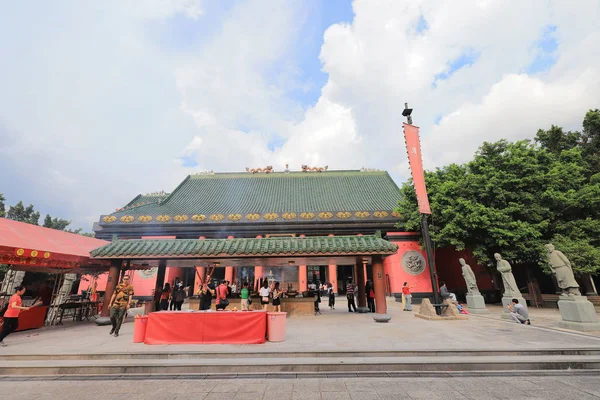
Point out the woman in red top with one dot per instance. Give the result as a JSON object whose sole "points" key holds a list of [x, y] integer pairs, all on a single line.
{"points": [[11, 316], [407, 296]]}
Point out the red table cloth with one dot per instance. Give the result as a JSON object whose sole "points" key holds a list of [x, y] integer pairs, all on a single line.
{"points": [[223, 327]]}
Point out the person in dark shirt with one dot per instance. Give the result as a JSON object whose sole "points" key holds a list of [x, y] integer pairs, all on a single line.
{"points": [[350, 296], [206, 293]]}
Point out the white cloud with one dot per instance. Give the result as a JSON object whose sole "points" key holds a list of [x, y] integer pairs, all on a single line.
{"points": [[95, 108]]}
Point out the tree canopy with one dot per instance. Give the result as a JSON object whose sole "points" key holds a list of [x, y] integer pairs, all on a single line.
{"points": [[21, 213], [29, 215], [513, 198]]}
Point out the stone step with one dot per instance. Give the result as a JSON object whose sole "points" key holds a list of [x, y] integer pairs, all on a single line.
{"points": [[258, 365], [150, 355]]}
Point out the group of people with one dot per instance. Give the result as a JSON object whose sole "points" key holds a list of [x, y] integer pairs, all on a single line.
{"points": [[351, 295], [172, 299]]}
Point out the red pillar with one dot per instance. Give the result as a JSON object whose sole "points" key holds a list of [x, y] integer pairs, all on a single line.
{"points": [[258, 271], [379, 288], [229, 269], [113, 279], [302, 274], [333, 277]]}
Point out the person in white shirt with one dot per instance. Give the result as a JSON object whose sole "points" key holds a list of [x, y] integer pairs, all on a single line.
{"points": [[264, 295]]}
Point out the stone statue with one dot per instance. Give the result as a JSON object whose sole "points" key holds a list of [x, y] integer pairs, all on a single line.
{"points": [[469, 276], [563, 271], [510, 285]]}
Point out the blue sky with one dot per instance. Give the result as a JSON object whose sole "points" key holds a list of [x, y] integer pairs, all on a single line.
{"points": [[100, 103]]}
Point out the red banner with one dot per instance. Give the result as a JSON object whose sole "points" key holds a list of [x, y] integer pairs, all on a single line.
{"points": [[413, 147]]}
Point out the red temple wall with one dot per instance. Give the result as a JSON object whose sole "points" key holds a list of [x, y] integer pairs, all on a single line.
{"points": [[449, 269], [142, 286], [392, 265]]}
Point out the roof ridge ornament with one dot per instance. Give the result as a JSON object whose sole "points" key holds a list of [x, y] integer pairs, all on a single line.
{"points": [[156, 194], [363, 169], [202, 173], [306, 168], [267, 170]]}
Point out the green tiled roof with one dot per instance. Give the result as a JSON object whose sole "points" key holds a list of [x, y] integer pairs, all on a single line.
{"points": [[274, 197], [281, 246]]}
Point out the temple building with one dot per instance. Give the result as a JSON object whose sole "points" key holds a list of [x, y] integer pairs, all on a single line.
{"points": [[317, 225]]}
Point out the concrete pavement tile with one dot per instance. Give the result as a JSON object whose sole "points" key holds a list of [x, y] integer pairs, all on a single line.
{"points": [[306, 395], [359, 387], [306, 386], [562, 394], [253, 387], [364, 395], [195, 396], [280, 386], [271, 395], [219, 396], [242, 395], [226, 387], [394, 396], [332, 386], [201, 386], [335, 396]]}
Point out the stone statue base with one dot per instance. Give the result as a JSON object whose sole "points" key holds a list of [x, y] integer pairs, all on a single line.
{"points": [[381, 317], [476, 304], [102, 321], [427, 311], [577, 313], [363, 310], [508, 300]]}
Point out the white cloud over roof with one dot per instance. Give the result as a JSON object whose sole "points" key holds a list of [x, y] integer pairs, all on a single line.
{"points": [[97, 107]]}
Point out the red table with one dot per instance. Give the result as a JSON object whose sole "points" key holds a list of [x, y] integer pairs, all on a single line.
{"points": [[31, 319], [222, 327]]}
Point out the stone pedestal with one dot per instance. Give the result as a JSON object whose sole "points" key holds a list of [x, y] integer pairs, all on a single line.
{"points": [[476, 304], [363, 310], [103, 321], [381, 317], [508, 300], [577, 313]]}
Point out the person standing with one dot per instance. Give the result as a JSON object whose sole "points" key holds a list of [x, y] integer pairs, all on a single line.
{"points": [[277, 293], [11, 315], [164, 297], [370, 296], [178, 296], [245, 295], [350, 296], [331, 296], [222, 292], [264, 295], [206, 294], [120, 302], [407, 296]]}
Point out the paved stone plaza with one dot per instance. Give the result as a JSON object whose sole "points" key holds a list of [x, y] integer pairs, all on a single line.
{"points": [[332, 331], [510, 387]]}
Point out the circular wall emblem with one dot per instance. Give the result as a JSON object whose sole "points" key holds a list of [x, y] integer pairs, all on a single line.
{"points": [[148, 273], [413, 262]]}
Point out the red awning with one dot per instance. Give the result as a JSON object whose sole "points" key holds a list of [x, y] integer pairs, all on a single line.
{"points": [[33, 246]]}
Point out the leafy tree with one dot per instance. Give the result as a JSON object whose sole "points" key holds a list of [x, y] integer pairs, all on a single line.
{"points": [[513, 198], [56, 223], [591, 139], [2, 207], [23, 214]]}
